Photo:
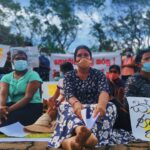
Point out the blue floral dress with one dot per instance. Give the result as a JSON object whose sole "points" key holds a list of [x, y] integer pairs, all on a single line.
{"points": [[87, 92]]}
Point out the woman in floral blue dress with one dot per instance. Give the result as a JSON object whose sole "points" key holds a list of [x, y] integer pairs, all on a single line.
{"points": [[84, 87]]}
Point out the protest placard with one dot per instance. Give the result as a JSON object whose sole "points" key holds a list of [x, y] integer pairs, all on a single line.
{"points": [[140, 117]]}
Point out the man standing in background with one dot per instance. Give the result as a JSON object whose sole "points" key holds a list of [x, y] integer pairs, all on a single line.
{"points": [[128, 64]]}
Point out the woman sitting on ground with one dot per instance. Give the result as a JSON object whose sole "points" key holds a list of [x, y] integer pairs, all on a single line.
{"points": [[84, 87], [138, 85], [19, 93]]}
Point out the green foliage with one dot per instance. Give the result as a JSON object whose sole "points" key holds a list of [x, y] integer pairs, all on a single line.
{"points": [[60, 35], [130, 28], [48, 49], [11, 39], [10, 4]]}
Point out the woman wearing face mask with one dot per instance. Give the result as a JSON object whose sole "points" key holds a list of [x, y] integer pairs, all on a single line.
{"points": [[19, 93], [138, 85], [84, 87], [117, 93], [115, 83]]}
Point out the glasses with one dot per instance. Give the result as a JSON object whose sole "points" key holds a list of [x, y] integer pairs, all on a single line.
{"points": [[83, 55]]}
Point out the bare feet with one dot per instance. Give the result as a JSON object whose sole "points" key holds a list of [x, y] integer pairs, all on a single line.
{"points": [[84, 137], [91, 141], [82, 134], [70, 144]]}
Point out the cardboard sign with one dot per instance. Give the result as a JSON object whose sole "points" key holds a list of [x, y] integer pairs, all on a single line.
{"points": [[140, 117]]}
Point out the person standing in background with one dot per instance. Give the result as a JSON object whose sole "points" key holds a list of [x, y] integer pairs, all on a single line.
{"points": [[44, 66], [128, 64]]}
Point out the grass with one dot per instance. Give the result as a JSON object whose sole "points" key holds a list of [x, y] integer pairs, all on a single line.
{"points": [[31, 135]]}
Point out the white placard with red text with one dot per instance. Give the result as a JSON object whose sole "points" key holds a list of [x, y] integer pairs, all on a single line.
{"points": [[101, 60]]}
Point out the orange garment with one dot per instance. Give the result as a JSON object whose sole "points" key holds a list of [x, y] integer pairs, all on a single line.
{"points": [[128, 64]]}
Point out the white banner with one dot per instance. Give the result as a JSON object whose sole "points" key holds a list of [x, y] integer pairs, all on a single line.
{"points": [[140, 117], [101, 60], [32, 52], [4, 49]]}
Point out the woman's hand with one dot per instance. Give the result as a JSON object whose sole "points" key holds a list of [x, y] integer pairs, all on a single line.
{"points": [[3, 113], [52, 109], [77, 107], [99, 109], [102, 104]]}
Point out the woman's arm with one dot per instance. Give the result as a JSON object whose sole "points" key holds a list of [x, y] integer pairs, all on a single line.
{"points": [[102, 103], [3, 93], [69, 91], [32, 87], [77, 106], [3, 97], [103, 88]]}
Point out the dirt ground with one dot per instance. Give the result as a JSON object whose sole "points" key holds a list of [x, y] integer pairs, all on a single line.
{"points": [[43, 146]]}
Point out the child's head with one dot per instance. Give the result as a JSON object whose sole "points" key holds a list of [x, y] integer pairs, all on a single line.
{"points": [[65, 67], [114, 72], [114, 69]]}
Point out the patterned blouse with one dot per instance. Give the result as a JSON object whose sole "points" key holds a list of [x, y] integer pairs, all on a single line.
{"points": [[137, 86], [86, 91]]}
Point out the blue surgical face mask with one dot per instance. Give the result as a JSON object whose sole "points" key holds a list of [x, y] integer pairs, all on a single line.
{"points": [[146, 67], [20, 65]]}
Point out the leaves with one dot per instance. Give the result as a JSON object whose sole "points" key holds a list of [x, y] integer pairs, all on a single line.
{"points": [[54, 24]]}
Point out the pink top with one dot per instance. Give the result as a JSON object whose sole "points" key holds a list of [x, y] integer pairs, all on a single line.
{"points": [[129, 68]]}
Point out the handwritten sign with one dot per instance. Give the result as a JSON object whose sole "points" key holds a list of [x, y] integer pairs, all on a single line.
{"points": [[140, 117]]}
